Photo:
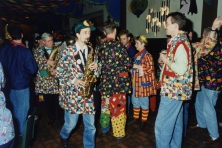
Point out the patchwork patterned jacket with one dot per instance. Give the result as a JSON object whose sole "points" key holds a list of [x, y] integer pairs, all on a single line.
{"points": [[201, 49], [210, 69], [68, 69], [178, 87], [44, 84]]}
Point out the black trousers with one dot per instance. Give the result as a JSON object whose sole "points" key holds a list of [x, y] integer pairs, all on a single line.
{"points": [[54, 110]]}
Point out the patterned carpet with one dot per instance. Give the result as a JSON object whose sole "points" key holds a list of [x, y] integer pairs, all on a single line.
{"points": [[48, 136]]}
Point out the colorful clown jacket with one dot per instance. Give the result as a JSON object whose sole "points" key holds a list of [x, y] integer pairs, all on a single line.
{"points": [[44, 84], [210, 69], [178, 87], [201, 49], [116, 63], [144, 85], [69, 69]]}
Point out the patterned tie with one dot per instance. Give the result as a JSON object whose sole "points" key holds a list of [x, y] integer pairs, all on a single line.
{"points": [[83, 54]]}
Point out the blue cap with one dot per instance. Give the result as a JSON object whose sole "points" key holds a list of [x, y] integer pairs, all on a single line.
{"points": [[82, 25]]}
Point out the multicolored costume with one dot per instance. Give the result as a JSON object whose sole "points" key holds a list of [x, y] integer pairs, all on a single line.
{"points": [[210, 77], [143, 86], [47, 85], [7, 133], [176, 86], [44, 84], [201, 49], [115, 84], [173, 85], [68, 70]]}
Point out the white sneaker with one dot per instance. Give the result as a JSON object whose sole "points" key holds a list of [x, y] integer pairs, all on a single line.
{"points": [[220, 124]]}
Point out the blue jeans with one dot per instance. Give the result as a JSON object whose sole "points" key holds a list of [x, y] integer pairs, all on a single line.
{"points": [[142, 102], [19, 106], [186, 105], [205, 112], [89, 128], [169, 123]]}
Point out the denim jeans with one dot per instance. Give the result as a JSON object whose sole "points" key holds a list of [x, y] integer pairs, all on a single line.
{"points": [[142, 102], [205, 112], [89, 128], [169, 123], [186, 105], [19, 106]]}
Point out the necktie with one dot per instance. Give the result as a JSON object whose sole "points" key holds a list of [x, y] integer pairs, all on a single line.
{"points": [[83, 55]]}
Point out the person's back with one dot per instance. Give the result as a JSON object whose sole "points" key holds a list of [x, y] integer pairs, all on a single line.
{"points": [[18, 64]]}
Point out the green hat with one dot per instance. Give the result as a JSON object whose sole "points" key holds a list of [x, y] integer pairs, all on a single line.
{"points": [[82, 25]]}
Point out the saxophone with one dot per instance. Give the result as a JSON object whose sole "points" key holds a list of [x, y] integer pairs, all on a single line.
{"points": [[54, 56], [88, 76], [7, 35]]}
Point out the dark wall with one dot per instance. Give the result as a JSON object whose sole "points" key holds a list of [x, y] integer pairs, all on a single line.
{"points": [[209, 14], [154, 47]]}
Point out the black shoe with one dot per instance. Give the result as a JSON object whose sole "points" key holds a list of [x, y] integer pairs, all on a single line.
{"points": [[64, 142], [142, 126], [209, 140], [134, 121]]}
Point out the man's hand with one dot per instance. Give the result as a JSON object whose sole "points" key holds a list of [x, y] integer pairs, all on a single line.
{"points": [[79, 83], [51, 63], [93, 66], [217, 23], [136, 66], [53, 72]]}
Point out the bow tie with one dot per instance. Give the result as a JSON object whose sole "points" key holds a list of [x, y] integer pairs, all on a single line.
{"points": [[47, 49]]}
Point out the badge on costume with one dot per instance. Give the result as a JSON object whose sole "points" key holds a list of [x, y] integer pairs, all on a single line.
{"points": [[79, 61]]}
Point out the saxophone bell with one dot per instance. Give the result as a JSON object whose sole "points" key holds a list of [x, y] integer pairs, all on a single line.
{"points": [[54, 56]]}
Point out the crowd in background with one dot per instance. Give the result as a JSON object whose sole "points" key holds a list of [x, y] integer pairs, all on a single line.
{"points": [[129, 81]]}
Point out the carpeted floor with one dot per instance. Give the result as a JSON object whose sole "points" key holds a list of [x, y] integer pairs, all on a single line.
{"points": [[48, 136]]}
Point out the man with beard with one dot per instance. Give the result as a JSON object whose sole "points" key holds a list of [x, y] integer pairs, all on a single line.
{"points": [[69, 71]]}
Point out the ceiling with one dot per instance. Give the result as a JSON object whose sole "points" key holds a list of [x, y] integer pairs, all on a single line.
{"points": [[18, 11]]}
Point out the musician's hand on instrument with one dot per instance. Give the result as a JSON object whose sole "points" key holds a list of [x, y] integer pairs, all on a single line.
{"points": [[79, 83], [53, 72], [51, 63], [93, 66]]}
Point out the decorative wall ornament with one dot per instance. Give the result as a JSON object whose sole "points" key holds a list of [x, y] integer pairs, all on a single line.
{"points": [[137, 7], [155, 20], [188, 6]]}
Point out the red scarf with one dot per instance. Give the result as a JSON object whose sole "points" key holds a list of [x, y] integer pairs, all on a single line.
{"points": [[16, 44]]}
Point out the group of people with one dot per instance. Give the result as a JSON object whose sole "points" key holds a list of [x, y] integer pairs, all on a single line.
{"points": [[126, 76]]}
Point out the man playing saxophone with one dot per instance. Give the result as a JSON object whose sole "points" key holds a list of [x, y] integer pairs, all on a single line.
{"points": [[45, 84], [70, 72]]}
